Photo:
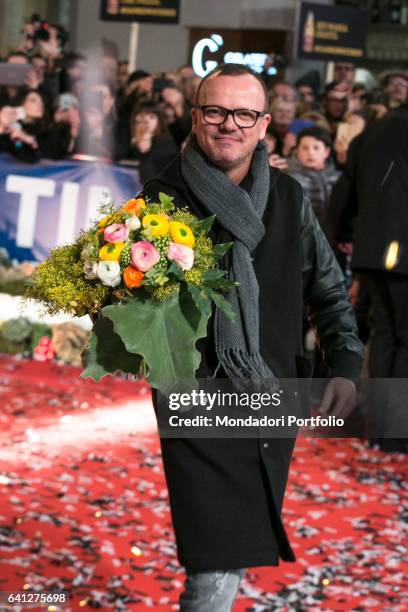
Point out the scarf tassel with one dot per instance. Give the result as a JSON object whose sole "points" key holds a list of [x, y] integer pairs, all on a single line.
{"points": [[245, 369]]}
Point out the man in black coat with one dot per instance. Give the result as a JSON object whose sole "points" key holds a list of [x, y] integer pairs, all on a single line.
{"points": [[226, 494], [371, 200]]}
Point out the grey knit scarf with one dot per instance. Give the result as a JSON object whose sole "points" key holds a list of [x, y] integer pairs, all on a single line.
{"points": [[239, 212]]}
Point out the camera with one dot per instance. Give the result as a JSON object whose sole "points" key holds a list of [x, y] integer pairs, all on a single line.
{"points": [[41, 31]]}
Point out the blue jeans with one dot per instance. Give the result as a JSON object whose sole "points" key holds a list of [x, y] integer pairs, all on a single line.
{"points": [[210, 591]]}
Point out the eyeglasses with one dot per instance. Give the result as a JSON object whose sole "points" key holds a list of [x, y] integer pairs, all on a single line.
{"points": [[243, 117]]}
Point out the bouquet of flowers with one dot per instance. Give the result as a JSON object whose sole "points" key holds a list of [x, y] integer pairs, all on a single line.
{"points": [[147, 275]]}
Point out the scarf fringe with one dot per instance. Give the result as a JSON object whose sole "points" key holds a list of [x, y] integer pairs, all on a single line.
{"points": [[247, 371]]}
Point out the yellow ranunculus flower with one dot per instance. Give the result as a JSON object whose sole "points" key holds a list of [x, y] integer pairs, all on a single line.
{"points": [[111, 251], [105, 221], [181, 234], [158, 225]]}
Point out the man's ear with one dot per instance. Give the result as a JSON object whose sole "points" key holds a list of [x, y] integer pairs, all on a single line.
{"points": [[194, 117], [327, 152], [266, 119]]}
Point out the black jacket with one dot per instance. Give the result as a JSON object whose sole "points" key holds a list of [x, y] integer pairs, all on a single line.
{"points": [[226, 494], [370, 200]]}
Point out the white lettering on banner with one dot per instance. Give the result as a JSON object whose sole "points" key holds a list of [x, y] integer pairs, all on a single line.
{"points": [[255, 61], [97, 195], [30, 189], [68, 212]]}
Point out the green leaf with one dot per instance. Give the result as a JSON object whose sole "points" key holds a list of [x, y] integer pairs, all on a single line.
{"points": [[201, 299], [214, 274], [220, 302], [176, 271], [205, 225], [220, 250], [216, 279], [164, 334], [166, 201], [107, 354]]}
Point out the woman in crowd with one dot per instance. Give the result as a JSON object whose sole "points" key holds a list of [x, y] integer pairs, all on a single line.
{"points": [[149, 143], [28, 133]]}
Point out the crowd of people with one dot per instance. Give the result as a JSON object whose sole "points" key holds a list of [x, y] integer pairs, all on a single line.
{"points": [[69, 104]]}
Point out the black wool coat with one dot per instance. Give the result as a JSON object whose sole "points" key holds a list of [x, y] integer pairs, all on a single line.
{"points": [[226, 494], [370, 199]]}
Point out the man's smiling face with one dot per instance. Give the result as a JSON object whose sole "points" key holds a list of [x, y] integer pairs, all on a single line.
{"points": [[227, 145]]}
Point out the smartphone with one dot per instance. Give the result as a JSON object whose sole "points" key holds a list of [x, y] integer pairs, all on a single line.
{"points": [[13, 74], [65, 101], [20, 113]]}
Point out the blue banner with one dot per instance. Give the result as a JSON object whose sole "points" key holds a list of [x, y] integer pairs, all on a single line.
{"points": [[46, 205]]}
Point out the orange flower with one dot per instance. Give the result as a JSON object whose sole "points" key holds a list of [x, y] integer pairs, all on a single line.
{"points": [[132, 277], [134, 206], [99, 233]]}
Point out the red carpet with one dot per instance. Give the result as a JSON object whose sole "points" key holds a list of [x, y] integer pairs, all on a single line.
{"points": [[84, 506]]}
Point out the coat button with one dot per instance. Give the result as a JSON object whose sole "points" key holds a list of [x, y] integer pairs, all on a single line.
{"points": [[265, 444]]}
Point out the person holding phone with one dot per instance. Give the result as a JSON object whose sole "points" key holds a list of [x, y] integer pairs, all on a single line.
{"points": [[150, 143]]}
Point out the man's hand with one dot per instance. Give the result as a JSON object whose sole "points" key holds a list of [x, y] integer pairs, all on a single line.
{"points": [[339, 399]]}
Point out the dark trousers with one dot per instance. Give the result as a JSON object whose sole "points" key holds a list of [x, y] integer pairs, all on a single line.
{"points": [[388, 356]]}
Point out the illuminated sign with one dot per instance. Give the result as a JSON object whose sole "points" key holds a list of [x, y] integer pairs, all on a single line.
{"points": [[327, 32], [148, 11], [213, 45]]}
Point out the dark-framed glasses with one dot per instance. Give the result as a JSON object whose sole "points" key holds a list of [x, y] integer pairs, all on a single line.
{"points": [[243, 117]]}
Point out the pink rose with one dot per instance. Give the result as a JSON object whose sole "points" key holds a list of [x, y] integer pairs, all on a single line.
{"points": [[117, 232], [144, 255], [181, 254]]}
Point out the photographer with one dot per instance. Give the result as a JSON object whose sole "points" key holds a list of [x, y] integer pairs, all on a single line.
{"points": [[28, 134]]}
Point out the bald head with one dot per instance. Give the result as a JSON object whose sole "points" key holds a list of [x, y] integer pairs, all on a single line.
{"points": [[233, 70]]}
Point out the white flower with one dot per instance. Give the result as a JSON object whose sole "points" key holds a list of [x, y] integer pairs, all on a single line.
{"points": [[133, 223], [109, 273]]}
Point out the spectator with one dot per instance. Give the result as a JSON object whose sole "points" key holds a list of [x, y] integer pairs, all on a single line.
{"points": [[140, 83], [283, 114], [358, 97], [374, 192], [395, 85], [190, 90], [67, 112], [31, 136], [150, 143], [317, 117], [314, 170], [175, 113], [335, 102], [98, 121], [344, 72], [274, 144], [185, 73], [122, 75], [73, 73], [354, 125], [285, 91], [12, 95], [110, 68], [308, 86]]}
